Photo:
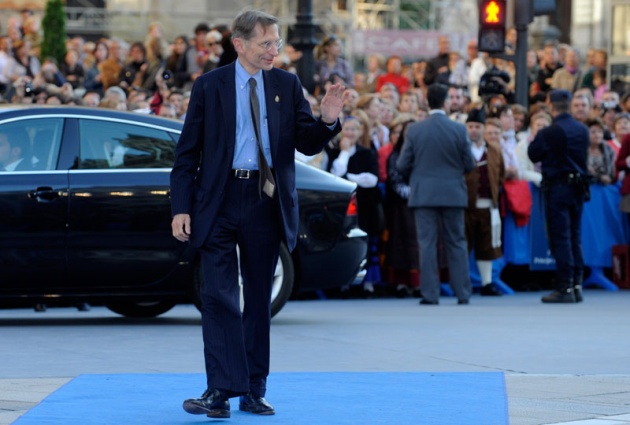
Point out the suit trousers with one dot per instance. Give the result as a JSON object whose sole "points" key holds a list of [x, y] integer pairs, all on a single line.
{"points": [[236, 344], [428, 222]]}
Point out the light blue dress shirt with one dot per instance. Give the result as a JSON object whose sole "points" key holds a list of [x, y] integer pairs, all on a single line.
{"points": [[246, 149]]}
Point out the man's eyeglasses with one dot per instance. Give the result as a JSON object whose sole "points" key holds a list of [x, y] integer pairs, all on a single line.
{"points": [[268, 45]]}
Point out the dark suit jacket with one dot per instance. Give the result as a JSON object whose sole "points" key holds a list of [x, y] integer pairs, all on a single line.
{"points": [[204, 153]]}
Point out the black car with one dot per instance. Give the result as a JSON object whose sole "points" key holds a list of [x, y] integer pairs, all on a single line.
{"points": [[85, 216]]}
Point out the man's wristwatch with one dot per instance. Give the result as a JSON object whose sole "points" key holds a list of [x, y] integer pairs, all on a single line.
{"points": [[329, 123]]}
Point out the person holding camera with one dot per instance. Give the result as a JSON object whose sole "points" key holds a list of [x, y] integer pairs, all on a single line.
{"points": [[563, 149], [136, 61], [180, 64], [495, 81]]}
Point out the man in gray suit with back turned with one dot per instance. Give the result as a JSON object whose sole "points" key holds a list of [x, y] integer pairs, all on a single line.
{"points": [[435, 156]]}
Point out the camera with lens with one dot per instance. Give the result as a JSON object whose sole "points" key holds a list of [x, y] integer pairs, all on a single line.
{"points": [[166, 75], [28, 89]]}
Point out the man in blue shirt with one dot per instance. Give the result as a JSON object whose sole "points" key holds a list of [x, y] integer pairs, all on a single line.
{"points": [[233, 183]]}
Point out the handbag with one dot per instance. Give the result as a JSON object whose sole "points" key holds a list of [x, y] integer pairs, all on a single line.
{"points": [[518, 200]]}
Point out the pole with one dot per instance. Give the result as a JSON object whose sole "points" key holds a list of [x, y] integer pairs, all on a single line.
{"points": [[304, 40], [523, 16], [522, 78]]}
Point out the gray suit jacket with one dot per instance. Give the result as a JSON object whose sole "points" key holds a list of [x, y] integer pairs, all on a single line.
{"points": [[435, 157]]}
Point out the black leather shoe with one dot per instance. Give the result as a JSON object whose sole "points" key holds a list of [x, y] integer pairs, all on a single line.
{"points": [[253, 404], [427, 302], [564, 297], [213, 403], [463, 302], [490, 290]]}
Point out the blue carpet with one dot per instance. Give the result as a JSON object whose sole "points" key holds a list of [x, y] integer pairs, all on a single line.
{"points": [[337, 398]]}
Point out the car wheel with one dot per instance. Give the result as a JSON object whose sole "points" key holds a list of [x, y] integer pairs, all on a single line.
{"points": [[283, 279], [140, 309]]}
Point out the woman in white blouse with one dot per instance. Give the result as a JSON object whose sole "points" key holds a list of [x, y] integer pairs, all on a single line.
{"points": [[357, 162], [528, 170]]}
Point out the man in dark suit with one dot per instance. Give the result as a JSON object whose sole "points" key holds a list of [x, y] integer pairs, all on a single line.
{"points": [[436, 155], [15, 150], [233, 183]]}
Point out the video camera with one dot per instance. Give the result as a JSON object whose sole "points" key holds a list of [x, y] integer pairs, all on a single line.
{"points": [[489, 83]]}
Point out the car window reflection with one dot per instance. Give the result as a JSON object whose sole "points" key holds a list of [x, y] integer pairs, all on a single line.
{"points": [[107, 144], [29, 145]]}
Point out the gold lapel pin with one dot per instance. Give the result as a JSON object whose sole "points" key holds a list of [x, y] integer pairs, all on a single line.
{"points": [[277, 99]]}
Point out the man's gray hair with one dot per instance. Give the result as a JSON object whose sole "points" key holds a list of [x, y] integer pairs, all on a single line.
{"points": [[244, 24]]}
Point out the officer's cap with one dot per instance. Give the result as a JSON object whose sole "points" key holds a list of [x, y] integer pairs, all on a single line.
{"points": [[559, 96]]}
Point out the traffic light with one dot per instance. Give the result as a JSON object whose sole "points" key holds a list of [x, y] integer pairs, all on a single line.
{"points": [[526, 10], [492, 25]]}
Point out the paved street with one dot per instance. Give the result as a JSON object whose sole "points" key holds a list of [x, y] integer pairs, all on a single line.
{"points": [[562, 363]]}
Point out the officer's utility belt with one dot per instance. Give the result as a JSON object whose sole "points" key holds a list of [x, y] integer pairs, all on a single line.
{"points": [[570, 179]]}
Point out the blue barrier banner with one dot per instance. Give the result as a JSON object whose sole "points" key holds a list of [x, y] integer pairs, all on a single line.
{"points": [[515, 241], [603, 226]]}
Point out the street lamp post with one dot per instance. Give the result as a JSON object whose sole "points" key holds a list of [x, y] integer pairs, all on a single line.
{"points": [[304, 40]]}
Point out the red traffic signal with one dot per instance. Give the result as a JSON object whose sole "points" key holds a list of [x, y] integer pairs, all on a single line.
{"points": [[492, 12], [492, 25]]}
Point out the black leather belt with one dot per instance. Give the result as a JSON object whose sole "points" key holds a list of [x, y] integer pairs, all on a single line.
{"points": [[243, 173]]}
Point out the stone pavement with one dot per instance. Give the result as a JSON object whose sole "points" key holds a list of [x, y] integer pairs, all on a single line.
{"points": [[563, 364]]}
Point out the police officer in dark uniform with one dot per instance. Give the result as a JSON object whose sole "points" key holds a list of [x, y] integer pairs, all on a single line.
{"points": [[562, 148]]}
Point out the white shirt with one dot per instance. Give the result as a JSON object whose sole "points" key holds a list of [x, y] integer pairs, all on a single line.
{"points": [[508, 149], [478, 151], [525, 165], [12, 166], [4, 67]]}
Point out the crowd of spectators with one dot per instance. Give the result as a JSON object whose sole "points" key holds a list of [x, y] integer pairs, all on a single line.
{"points": [[155, 75], [390, 93]]}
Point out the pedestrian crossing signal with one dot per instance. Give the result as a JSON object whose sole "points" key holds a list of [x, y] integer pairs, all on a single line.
{"points": [[493, 13], [492, 25]]}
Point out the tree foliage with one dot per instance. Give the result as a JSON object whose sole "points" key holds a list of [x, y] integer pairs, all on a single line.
{"points": [[54, 26]]}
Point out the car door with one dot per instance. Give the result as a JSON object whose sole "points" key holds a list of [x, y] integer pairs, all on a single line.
{"points": [[119, 231], [33, 205]]}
